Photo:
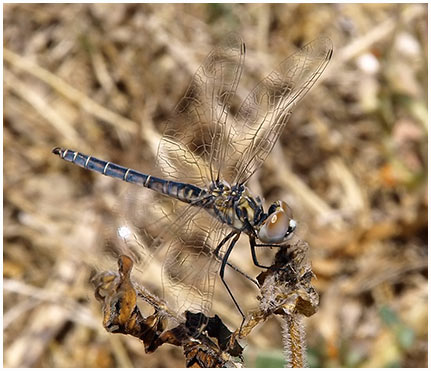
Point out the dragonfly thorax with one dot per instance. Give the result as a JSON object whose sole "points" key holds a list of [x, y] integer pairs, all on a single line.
{"points": [[237, 207]]}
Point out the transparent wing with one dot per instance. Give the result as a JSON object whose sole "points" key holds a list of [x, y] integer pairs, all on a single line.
{"points": [[189, 150], [265, 112], [178, 239], [190, 267]]}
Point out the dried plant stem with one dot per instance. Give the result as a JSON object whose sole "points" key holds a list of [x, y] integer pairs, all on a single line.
{"points": [[293, 336], [290, 180], [40, 104], [376, 34], [121, 314], [69, 92], [286, 291]]}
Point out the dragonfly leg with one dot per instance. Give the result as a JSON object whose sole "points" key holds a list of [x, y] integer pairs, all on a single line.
{"points": [[253, 254], [266, 245], [217, 255], [222, 242], [222, 268]]}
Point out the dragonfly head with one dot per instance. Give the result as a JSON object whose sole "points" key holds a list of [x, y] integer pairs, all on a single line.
{"points": [[279, 225]]}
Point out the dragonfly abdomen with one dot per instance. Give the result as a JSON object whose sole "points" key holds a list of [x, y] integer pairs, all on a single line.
{"points": [[181, 191]]}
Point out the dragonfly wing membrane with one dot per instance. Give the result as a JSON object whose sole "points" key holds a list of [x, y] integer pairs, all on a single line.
{"points": [[266, 110], [190, 267], [178, 239], [190, 148], [144, 231]]}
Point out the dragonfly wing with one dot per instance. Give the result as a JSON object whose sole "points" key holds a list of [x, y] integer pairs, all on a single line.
{"points": [[148, 223], [189, 150], [190, 267], [179, 240], [266, 110]]}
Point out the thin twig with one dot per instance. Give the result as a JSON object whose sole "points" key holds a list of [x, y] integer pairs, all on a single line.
{"points": [[57, 121], [70, 93]]}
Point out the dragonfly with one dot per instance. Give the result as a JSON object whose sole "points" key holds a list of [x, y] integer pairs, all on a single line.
{"points": [[201, 204]]}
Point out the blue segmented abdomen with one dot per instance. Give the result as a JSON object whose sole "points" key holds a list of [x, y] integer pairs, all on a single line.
{"points": [[181, 191]]}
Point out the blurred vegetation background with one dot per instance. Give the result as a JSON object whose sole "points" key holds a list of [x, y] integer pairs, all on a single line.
{"points": [[352, 164]]}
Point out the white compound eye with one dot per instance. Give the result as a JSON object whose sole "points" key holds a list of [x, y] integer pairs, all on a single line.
{"points": [[278, 226]]}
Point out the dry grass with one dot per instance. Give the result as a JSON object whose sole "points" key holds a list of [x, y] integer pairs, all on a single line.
{"points": [[352, 164]]}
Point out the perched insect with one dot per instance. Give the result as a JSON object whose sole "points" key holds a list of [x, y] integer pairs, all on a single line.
{"points": [[206, 155]]}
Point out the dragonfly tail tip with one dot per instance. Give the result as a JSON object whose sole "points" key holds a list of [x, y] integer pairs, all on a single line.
{"points": [[57, 150]]}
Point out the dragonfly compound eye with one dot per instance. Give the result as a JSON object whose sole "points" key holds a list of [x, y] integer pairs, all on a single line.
{"points": [[279, 225]]}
